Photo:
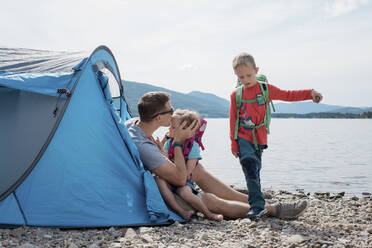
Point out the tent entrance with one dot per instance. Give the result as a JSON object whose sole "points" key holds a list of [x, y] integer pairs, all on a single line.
{"points": [[26, 122]]}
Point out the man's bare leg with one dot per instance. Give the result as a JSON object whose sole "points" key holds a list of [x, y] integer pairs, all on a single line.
{"points": [[210, 184], [229, 209]]}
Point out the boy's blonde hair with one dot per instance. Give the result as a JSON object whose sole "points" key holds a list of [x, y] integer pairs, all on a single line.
{"points": [[188, 116], [243, 59]]}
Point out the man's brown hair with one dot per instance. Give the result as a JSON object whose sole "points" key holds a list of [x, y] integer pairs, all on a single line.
{"points": [[152, 103]]}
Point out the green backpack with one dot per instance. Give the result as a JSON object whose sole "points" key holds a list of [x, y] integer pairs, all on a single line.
{"points": [[262, 80]]}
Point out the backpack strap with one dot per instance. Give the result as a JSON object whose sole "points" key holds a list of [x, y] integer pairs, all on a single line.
{"points": [[238, 101], [265, 93]]}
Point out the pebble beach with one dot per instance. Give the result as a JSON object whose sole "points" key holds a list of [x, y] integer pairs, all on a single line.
{"points": [[331, 220]]}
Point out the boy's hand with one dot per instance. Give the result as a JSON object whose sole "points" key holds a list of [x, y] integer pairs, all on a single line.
{"points": [[160, 144], [317, 97], [236, 154]]}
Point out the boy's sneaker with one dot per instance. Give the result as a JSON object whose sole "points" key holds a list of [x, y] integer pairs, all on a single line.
{"points": [[253, 214], [290, 210]]}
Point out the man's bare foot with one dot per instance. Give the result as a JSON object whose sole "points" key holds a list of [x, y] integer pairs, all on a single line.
{"points": [[216, 217], [187, 214]]}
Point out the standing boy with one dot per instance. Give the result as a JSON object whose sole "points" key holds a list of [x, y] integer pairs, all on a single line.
{"points": [[249, 123]]}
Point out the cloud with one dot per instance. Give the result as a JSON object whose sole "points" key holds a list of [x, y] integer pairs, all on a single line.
{"points": [[336, 8], [187, 67]]}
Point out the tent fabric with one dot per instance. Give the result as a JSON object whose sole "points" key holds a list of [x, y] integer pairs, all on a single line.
{"points": [[89, 173], [42, 83], [10, 212], [42, 61]]}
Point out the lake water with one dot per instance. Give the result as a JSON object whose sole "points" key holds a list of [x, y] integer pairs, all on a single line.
{"points": [[326, 155]]}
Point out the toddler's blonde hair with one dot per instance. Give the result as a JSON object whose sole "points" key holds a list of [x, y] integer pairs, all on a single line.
{"points": [[188, 116]]}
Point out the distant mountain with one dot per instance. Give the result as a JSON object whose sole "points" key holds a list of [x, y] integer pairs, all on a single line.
{"points": [[310, 107], [212, 106], [303, 107], [211, 98], [208, 105]]}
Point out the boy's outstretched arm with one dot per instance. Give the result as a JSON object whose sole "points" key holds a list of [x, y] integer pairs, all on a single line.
{"points": [[317, 97]]}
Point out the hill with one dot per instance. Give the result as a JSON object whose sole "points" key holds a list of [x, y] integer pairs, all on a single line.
{"points": [[212, 106], [309, 107], [208, 105]]}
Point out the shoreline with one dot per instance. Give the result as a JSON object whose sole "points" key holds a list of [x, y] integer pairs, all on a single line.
{"points": [[331, 220]]}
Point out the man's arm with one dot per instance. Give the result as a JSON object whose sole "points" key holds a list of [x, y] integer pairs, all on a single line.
{"points": [[175, 173]]}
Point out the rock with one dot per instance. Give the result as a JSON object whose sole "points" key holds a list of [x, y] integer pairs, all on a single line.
{"points": [[267, 195], [354, 198], [145, 229], [72, 245], [338, 195], [147, 238], [245, 221], [94, 245], [366, 194], [130, 233], [296, 239], [115, 245], [301, 191], [204, 237], [322, 194], [28, 245], [47, 236], [177, 224]]}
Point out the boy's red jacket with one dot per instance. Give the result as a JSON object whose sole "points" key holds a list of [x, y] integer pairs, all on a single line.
{"points": [[255, 113]]}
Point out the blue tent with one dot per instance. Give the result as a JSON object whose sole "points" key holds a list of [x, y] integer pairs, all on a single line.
{"points": [[66, 159]]}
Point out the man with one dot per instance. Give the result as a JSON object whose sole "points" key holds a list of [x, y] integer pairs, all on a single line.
{"points": [[155, 110]]}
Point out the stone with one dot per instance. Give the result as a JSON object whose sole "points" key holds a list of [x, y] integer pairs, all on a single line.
{"points": [[131, 233], [144, 230], [72, 245], [147, 238], [28, 245], [94, 245], [177, 224], [354, 198], [115, 245], [245, 221], [296, 239]]}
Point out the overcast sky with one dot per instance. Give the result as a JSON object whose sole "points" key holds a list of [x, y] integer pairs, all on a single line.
{"points": [[189, 45]]}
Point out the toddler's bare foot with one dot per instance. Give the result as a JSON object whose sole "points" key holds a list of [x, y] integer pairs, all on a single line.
{"points": [[216, 217], [187, 214]]}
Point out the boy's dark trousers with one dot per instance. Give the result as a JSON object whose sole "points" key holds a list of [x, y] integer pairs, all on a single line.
{"points": [[250, 160]]}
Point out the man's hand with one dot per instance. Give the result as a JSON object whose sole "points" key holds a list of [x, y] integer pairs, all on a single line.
{"points": [[236, 154], [181, 133], [317, 97]]}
